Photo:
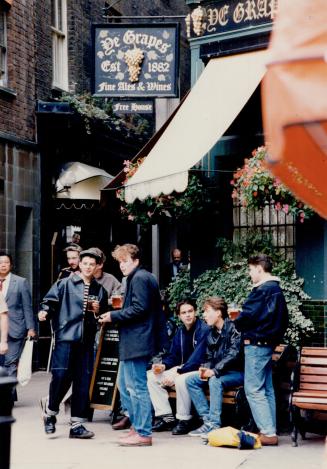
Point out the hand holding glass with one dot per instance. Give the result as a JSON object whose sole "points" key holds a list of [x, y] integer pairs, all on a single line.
{"points": [[93, 304], [233, 311], [202, 371], [117, 301]]}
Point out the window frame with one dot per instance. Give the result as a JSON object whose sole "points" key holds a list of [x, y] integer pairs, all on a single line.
{"points": [[3, 50], [59, 45]]}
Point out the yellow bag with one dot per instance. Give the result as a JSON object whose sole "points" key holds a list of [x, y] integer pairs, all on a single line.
{"points": [[229, 436]]}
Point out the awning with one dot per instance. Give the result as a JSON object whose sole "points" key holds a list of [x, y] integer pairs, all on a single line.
{"points": [[295, 100], [81, 181], [216, 99]]}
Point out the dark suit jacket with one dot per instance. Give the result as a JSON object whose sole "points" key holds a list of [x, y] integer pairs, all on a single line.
{"points": [[20, 311]]}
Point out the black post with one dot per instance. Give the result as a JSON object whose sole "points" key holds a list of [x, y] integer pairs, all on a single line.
{"points": [[6, 404]]}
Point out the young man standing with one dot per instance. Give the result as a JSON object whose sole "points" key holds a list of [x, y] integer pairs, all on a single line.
{"points": [[223, 366], [142, 335], [74, 324], [186, 354], [263, 322]]}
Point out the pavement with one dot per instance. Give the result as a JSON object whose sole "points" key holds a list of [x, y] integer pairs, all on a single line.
{"points": [[32, 448]]}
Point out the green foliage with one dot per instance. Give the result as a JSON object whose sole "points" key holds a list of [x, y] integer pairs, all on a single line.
{"points": [[178, 205], [97, 110], [232, 282], [255, 187], [179, 289]]}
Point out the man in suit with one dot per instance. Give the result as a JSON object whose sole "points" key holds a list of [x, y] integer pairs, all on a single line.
{"points": [[3, 329], [175, 267], [17, 294]]}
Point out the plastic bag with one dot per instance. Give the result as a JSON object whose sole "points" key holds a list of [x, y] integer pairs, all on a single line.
{"points": [[229, 436], [24, 372]]}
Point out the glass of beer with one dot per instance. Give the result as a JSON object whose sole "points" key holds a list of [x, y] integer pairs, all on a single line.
{"points": [[203, 368], [233, 311], [92, 300], [157, 366], [117, 301]]}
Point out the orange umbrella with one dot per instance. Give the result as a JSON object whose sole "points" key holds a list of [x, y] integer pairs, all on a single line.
{"points": [[294, 97]]}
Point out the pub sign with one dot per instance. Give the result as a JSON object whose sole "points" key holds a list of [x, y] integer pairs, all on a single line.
{"points": [[136, 60], [220, 17]]}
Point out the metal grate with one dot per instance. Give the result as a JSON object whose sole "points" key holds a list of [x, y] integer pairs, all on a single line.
{"points": [[279, 225]]}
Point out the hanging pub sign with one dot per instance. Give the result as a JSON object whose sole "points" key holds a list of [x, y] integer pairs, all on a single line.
{"points": [[136, 60], [220, 17]]}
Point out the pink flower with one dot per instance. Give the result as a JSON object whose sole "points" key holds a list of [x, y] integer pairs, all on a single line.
{"points": [[286, 208], [130, 217]]}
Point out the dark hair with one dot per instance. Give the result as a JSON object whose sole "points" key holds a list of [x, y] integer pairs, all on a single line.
{"points": [[4, 253], [186, 301], [261, 259], [217, 303]]}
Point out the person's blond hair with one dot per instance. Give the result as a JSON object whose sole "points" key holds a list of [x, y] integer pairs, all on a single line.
{"points": [[121, 252]]}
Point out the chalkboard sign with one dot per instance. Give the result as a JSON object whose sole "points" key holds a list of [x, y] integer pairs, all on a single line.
{"points": [[103, 387], [139, 60]]}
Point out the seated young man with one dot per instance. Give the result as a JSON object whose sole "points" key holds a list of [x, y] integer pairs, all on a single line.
{"points": [[185, 355], [223, 366]]}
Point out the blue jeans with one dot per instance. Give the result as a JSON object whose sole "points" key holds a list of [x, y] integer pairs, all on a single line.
{"points": [[258, 386], [134, 394], [196, 388]]}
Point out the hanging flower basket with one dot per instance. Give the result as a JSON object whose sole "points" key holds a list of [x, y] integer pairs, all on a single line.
{"points": [[155, 209], [255, 187]]}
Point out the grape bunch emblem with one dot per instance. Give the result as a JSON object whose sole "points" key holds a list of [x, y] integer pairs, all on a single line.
{"points": [[134, 58]]}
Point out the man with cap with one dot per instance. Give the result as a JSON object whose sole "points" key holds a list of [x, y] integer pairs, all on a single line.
{"points": [[108, 281], [74, 321]]}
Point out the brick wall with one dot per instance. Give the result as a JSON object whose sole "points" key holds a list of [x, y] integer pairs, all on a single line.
{"points": [[81, 14], [17, 113]]}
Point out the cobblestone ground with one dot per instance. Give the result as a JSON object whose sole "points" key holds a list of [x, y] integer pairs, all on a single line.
{"points": [[31, 448]]}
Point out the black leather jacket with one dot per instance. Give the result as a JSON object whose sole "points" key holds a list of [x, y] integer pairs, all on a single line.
{"points": [[64, 305], [224, 350]]}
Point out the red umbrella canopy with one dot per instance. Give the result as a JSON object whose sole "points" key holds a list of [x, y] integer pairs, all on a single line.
{"points": [[294, 97]]}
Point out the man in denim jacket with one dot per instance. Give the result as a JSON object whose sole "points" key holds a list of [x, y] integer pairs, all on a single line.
{"points": [[263, 322]]}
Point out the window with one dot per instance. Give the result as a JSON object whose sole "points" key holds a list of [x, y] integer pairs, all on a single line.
{"points": [[3, 48], [59, 44], [280, 226]]}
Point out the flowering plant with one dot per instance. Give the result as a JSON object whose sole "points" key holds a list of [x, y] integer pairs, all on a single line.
{"points": [[255, 187], [153, 209]]}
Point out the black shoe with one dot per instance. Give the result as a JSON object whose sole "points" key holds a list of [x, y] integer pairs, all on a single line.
{"points": [[122, 424], [49, 423], [183, 427], [80, 432], [162, 426]]}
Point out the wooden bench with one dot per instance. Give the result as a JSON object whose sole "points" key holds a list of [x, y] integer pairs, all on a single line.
{"points": [[309, 394], [284, 360]]}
